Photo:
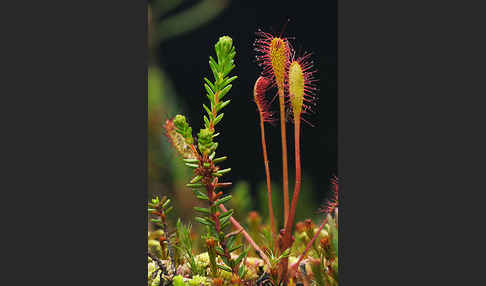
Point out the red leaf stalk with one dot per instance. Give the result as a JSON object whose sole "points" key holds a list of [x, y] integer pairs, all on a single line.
{"points": [[265, 116]]}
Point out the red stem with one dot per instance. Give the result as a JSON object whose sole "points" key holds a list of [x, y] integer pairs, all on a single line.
{"points": [[285, 171], [298, 174], [309, 245], [269, 187], [287, 239], [247, 236]]}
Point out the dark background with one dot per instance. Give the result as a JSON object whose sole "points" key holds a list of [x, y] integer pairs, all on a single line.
{"points": [[313, 25], [411, 142]]}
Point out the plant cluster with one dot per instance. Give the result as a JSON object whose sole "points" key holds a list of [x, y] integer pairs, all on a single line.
{"points": [[308, 257]]}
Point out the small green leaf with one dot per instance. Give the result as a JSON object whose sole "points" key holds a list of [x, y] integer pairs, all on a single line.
{"points": [[196, 179], [229, 80], [241, 271], [206, 121], [225, 91], [223, 200], [223, 225], [201, 195], [218, 118], [224, 171], [209, 83], [226, 214], [220, 159], [204, 221], [207, 110], [241, 256], [167, 202], [235, 248], [208, 89], [224, 267], [197, 185], [202, 210], [223, 220], [224, 103]]}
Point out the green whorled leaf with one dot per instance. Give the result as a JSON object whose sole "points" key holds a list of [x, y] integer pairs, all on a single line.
{"points": [[236, 247], [209, 90], [241, 256], [225, 224], [205, 140], [202, 197], [224, 104], [242, 271], [219, 250], [230, 241], [218, 118], [168, 210], [224, 46], [209, 83], [223, 200], [196, 179], [224, 220], [225, 91], [207, 110], [204, 221], [220, 159], [206, 121], [211, 99], [202, 210], [228, 69], [224, 267], [211, 157], [167, 202], [228, 80], [196, 185], [192, 165], [213, 66], [224, 171], [226, 214], [183, 128], [201, 194]]}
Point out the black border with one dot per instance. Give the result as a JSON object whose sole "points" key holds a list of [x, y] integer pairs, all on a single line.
{"points": [[407, 142]]}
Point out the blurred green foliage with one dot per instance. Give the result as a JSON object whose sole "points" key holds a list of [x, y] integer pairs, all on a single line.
{"points": [[166, 173]]}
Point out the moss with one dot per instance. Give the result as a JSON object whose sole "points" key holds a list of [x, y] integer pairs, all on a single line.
{"points": [[155, 248]]}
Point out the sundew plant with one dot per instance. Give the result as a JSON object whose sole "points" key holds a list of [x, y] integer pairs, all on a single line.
{"points": [[225, 253]]}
